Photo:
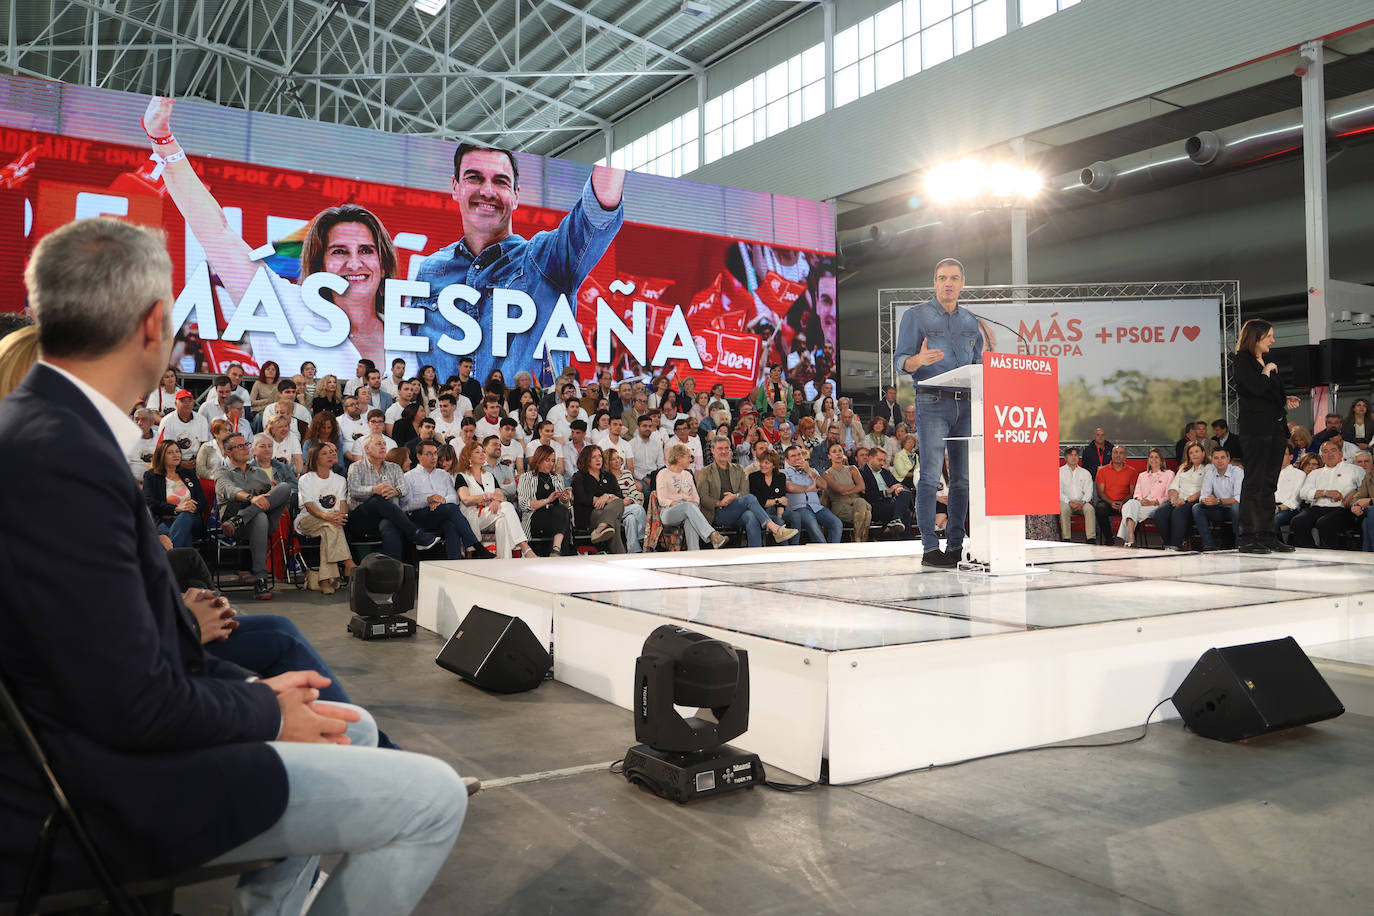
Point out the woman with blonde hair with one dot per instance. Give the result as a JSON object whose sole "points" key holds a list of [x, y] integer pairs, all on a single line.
{"points": [[328, 396], [633, 520], [679, 503], [485, 506], [286, 445], [211, 456], [18, 353], [1151, 491]]}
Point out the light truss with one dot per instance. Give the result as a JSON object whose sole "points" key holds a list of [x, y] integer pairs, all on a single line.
{"points": [[478, 69]]}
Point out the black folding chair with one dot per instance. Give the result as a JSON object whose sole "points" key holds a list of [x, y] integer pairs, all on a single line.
{"points": [[151, 897]]}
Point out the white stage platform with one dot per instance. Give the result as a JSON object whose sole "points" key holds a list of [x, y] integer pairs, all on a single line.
{"points": [[861, 658]]}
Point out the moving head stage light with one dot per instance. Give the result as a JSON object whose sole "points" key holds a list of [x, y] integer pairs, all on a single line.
{"points": [[682, 759], [381, 591]]}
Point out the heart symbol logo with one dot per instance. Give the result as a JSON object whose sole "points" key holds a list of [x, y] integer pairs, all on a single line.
{"points": [[1041, 435], [1191, 332], [294, 182]]}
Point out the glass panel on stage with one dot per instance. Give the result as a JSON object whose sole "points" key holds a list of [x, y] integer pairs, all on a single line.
{"points": [[805, 621]]}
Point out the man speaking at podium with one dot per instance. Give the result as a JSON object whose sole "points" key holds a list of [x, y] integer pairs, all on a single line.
{"points": [[934, 337]]}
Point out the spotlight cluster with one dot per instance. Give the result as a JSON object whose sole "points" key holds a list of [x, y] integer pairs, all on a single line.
{"points": [[974, 182]]}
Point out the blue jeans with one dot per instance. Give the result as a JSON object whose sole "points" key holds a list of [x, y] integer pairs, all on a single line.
{"points": [[938, 417], [393, 815], [1173, 523], [745, 512], [1367, 530], [449, 521], [633, 522], [820, 525], [182, 529], [1204, 515], [388, 520], [695, 529], [1283, 517]]}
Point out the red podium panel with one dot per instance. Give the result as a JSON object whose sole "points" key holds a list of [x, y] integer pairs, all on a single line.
{"points": [[1021, 434]]}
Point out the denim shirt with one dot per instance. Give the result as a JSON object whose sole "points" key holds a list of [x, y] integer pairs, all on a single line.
{"points": [[956, 334], [550, 264]]}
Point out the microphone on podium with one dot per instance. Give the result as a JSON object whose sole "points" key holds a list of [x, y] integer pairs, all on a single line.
{"points": [[1001, 325]]}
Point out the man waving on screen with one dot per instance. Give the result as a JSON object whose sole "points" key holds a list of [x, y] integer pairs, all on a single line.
{"points": [[489, 257]]}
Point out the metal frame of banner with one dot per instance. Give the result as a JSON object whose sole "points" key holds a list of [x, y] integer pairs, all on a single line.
{"points": [[1228, 291]]}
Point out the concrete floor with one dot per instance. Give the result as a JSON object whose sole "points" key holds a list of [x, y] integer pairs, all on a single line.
{"points": [[1170, 824]]}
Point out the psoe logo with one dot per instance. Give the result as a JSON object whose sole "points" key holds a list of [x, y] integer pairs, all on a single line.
{"points": [[1024, 425]]}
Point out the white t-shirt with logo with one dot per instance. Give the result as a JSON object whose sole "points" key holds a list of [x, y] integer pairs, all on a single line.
{"points": [[189, 434], [327, 493]]}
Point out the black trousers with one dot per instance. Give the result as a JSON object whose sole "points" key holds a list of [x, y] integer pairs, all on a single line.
{"points": [[1264, 457], [553, 519]]}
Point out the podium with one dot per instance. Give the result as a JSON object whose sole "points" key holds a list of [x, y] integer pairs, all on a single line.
{"points": [[1018, 475]]}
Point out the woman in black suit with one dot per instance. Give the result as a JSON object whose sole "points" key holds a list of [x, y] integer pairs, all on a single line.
{"points": [[174, 499], [1263, 417]]}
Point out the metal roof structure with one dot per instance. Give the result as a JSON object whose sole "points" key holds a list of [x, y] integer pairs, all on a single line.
{"points": [[540, 75]]}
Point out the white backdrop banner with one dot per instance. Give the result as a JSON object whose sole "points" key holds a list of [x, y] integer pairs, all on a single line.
{"points": [[1140, 369]]}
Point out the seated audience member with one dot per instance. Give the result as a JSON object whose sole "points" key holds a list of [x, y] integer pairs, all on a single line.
{"points": [[400, 456], [134, 713], [140, 452], [376, 426], [277, 469], [808, 436], [819, 459], [1360, 507], [485, 505], [406, 426], [211, 458], [186, 428], [448, 418], [893, 505], [878, 436], [432, 503], [567, 453], [1196, 431], [597, 504], [1325, 491], [543, 435], [1348, 449], [1151, 491], [682, 434], [328, 396], [769, 488], [251, 505], [162, 400], [726, 502], [174, 496], [1175, 513], [1333, 425], [360, 376], [613, 436], [546, 500], [423, 433], [324, 429], [761, 447], [286, 445], [1097, 453], [633, 520], [644, 454], [845, 488], [1075, 497], [287, 406], [237, 415], [323, 498], [1288, 493], [905, 463], [467, 433], [1299, 443], [772, 391], [1357, 426], [564, 418], [352, 424], [1221, 436], [264, 391], [407, 395], [375, 490], [216, 399], [512, 449], [502, 468], [752, 444], [1115, 482], [851, 428], [679, 502], [1364, 461], [804, 510], [1219, 500]]}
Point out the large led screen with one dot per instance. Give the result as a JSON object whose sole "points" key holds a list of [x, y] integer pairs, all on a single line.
{"points": [[660, 300]]}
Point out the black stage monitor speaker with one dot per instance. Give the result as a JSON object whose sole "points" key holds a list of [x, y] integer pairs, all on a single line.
{"points": [[1299, 367], [1242, 691], [1338, 357], [495, 652]]}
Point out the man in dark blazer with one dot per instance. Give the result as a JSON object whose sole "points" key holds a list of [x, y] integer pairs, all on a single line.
{"points": [[174, 757]]}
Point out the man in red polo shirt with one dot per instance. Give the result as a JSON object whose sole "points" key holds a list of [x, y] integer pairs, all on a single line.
{"points": [[1115, 484]]}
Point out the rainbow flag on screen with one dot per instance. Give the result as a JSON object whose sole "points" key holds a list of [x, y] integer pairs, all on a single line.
{"points": [[286, 259]]}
